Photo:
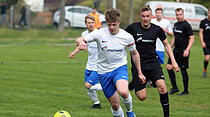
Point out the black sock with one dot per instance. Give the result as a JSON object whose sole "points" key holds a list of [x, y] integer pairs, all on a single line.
{"points": [[172, 78], [206, 64], [165, 103], [185, 79]]}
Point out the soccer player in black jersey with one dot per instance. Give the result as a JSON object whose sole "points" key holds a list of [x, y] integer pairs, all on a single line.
{"points": [[183, 41], [145, 35], [204, 34]]}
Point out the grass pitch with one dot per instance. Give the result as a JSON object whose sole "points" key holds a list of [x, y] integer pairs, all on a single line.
{"points": [[37, 79]]}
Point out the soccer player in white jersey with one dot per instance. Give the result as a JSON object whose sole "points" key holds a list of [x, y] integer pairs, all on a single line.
{"points": [[167, 28], [91, 75], [112, 45]]}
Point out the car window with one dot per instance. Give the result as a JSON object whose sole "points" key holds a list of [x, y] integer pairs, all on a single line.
{"points": [[74, 10], [199, 11], [85, 11]]}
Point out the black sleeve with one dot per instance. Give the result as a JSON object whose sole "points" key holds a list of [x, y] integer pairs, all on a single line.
{"points": [[162, 35], [202, 24], [189, 29]]}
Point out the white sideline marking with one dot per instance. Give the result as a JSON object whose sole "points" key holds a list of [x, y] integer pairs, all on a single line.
{"points": [[38, 62]]}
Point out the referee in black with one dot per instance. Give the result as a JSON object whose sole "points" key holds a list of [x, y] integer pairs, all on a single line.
{"points": [[145, 35], [204, 34], [182, 42]]}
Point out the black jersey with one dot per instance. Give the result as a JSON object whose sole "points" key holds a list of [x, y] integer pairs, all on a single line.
{"points": [[145, 40], [205, 25], [182, 31]]}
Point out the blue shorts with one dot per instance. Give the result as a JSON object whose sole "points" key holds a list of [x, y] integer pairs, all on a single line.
{"points": [[161, 56], [91, 77], [108, 80]]}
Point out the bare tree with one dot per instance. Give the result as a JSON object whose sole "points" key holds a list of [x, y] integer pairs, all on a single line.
{"points": [[62, 16], [131, 12]]}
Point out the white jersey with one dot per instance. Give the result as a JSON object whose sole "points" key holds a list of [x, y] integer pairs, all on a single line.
{"points": [[92, 54], [112, 49], [164, 23]]}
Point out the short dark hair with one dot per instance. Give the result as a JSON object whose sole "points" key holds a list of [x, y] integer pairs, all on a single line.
{"points": [[89, 17], [146, 8], [112, 15], [158, 9], [179, 9]]}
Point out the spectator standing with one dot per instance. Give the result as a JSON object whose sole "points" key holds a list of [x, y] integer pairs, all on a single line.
{"points": [[23, 14], [3, 12], [97, 19]]}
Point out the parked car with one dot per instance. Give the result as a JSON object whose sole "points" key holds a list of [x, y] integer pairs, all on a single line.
{"points": [[75, 16], [193, 13]]}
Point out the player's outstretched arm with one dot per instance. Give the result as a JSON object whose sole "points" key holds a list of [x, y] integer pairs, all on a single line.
{"points": [[71, 55], [171, 55], [136, 59], [81, 42]]}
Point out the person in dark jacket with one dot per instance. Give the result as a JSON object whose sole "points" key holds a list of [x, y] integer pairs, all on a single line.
{"points": [[23, 14], [3, 12]]}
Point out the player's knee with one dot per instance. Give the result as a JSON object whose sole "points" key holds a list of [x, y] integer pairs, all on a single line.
{"points": [[124, 94], [88, 85], [141, 97], [168, 66], [115, 106], [162, 90]]}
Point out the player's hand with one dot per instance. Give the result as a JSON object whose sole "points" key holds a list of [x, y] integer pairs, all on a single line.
{"points": [[142, 78], [71, 55], [83, 46], [175, 67], [186, 53], [203, 44]]}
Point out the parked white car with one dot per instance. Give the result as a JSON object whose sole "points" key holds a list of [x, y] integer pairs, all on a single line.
{"points": [[75, 16]]}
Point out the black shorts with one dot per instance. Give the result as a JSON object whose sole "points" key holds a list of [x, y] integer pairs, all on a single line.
{"points": [[206, 50], [152, 73], [183, 62]]}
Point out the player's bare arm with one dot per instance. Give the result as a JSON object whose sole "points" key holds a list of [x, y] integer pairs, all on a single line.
{"points": [[71, 55], [167, 32], [136, 59], [201, 38], [171, 55], [81, 42], [187, 50]]}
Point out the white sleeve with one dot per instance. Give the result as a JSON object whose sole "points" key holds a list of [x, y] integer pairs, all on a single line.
{"points": [[93, 36], [131, 44], [169, 27]]}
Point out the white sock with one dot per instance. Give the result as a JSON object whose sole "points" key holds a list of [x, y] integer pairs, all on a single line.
{"points": [[118, 113], [93, 96], [96, 87], [128, 103]]}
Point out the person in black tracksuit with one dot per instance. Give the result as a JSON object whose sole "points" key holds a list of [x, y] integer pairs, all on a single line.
{"points": [[204, 34], [23, 14], [145, 35], [183, 41]]}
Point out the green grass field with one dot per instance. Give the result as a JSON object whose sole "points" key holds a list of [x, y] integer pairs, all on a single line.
{"points": [[37, 79]]}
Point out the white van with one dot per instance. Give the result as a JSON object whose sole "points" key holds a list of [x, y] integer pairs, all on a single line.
{"points": [[193, 13]]}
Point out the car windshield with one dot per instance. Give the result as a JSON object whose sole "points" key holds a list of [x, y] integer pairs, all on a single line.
{"points": [[200, 11], [79, 10]]}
